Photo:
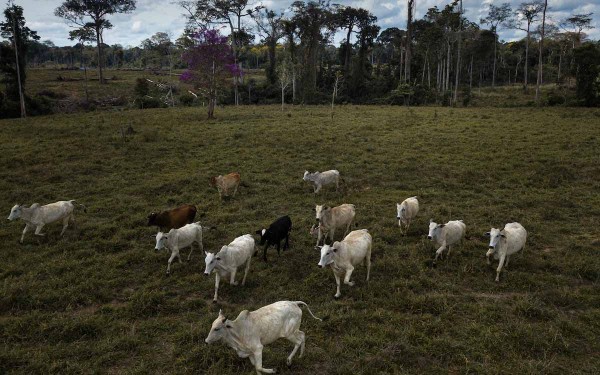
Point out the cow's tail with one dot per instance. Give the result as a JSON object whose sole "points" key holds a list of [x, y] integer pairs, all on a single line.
{"points": [[300, 304], [73, 202]]}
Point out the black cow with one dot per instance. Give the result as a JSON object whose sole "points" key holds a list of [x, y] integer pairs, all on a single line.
{"points": [[277, 231]]}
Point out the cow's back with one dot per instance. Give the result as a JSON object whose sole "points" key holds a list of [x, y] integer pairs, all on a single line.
{"points": [[53, 212], [516, 235], [455, 230], [356, 245], [276, 320], [185, 236], [343, 214], [240, 249], [411, 206]]}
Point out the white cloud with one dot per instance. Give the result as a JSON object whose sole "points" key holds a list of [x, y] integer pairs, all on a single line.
{"points": [[136, 26]]}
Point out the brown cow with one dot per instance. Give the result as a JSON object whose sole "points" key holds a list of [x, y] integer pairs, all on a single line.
{"points": [[224, 184], [173, 219]]}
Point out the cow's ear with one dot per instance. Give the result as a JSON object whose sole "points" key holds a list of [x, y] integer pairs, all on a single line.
{"points": [[430, 221], [205, 253], [502, 235], [223, 320], [218, 258]]}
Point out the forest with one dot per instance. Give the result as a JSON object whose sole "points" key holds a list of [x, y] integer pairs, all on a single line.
{"points": [[439, 59]]}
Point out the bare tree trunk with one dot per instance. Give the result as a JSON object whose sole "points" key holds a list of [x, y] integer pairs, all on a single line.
{"points": [[411, 9], [456, 81], [18, 68], [494, 67], [525, 88], [99, 46], [540, 74], [471, 74]]}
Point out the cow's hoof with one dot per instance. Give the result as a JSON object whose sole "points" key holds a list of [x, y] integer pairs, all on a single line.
{"points": [[214, 301], [336, 296]]}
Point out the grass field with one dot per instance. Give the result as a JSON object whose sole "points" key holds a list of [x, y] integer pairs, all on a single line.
{"points": [[98, 300]]}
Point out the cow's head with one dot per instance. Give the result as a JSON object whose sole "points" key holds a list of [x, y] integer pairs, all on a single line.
{"points": [[161, 239], [211, 261], [264, 235], [152, 218], [15, 212], [496, 235], [213, 181], [400, 212], [305, 177], [218, 329], [321, 210], [434, 229], [327, 254]]}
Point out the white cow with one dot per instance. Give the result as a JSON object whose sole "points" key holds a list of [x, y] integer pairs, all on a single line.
{"points": [[36, 216], [226, 262], [330, 219], [320, 179], [180, 238], [504, 243], [251, 331], [406, 211], [342, 256], [446, 235]]}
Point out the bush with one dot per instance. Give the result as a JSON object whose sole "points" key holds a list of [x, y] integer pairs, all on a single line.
{"points": [[587, 58], [142, 88], [149, 102], [187, 99], [555, 98]]}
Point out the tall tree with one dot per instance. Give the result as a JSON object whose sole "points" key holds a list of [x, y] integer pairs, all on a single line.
{"points": [[458, 51], [83, 35], [497, 15], [314, 25], [539, 75], [350, 19], [578, 23], [93, 14], [211, 65], [203, 13], [527, 12], [20, 36], [409, 27], [271, 29]]}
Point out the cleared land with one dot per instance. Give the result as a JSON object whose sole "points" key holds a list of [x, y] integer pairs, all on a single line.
{"points": [[98, 299]]}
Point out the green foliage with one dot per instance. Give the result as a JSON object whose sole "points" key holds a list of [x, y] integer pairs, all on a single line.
{"points": [[187, 99], [142, 87], [587, 65]]}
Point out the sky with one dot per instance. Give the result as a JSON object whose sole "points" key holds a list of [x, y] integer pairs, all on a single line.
{"points": [[152, 16]]}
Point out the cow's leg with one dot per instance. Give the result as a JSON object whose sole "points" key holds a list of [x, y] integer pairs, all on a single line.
{"points": [[347, 229], [287, 242], [439, 251], [191, 251], [407, 226], [317, 188], [368, 261], [279, 247], [235, 190], [174, 253], [448, 253], [27, 227], [337, 184], [265, 251], [298, 339], [507, 260], [319, 235], [232, 277], [331, 235], [246, 270], [217, 280], [258, 362], [338, 292], [349, 271], [38, 230], [499, 269]]}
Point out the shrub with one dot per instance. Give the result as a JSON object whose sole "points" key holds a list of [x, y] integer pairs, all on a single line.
{"points": [[187, 99], [142, 88]]}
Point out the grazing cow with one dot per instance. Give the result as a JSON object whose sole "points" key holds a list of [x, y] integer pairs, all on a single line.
{"points": [[407, 210], [320, 179], [226, 262], [329, 219], [36, 216], [225, 184], [343, 256], [179, 238], [446, 235], [172, 219], [251, 331], [277, 231], [504, 243]]}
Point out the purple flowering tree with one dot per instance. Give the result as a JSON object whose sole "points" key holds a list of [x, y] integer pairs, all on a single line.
{"points": [[211, 65]]}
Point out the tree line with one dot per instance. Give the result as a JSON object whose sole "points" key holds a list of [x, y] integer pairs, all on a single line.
{"points": [[432, 60]]}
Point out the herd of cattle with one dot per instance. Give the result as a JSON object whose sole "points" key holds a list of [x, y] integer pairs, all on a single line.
{"points": [[250, 331]]}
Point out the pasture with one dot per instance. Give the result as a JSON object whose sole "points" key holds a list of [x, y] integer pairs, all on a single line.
{"points": [[98, 300]]}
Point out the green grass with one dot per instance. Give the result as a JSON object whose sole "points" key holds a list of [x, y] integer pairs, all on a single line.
{"points": [[98, 300]]}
